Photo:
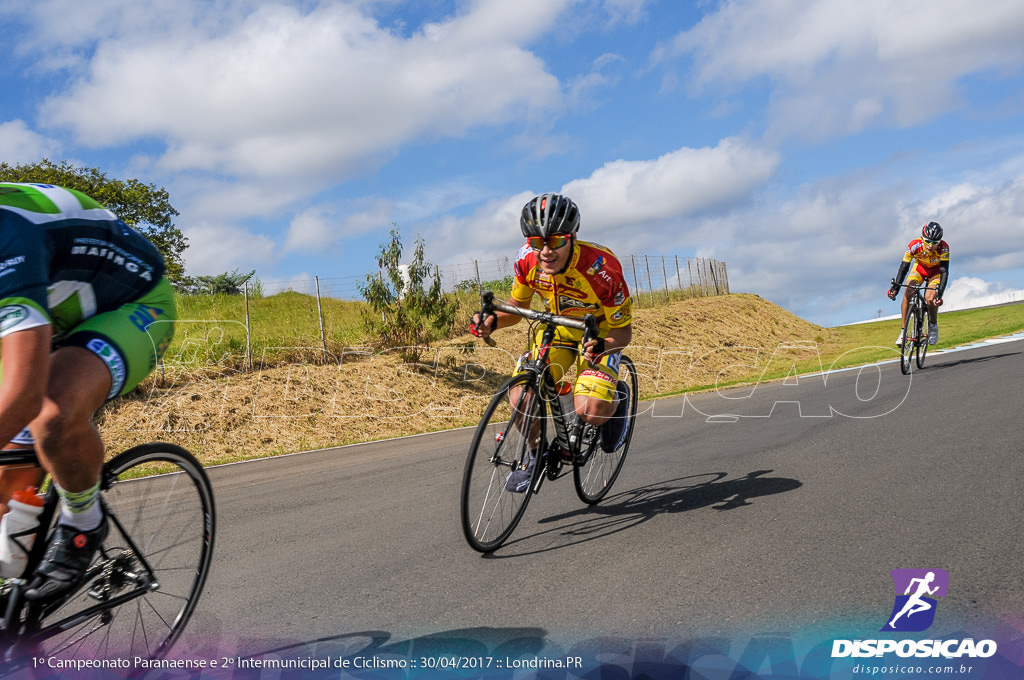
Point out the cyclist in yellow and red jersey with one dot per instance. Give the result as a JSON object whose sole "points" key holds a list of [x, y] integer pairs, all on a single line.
{"points": [[573, 278], [930, 257]]}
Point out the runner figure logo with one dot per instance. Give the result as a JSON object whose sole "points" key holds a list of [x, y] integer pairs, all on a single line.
{"points": [[916, 590]]}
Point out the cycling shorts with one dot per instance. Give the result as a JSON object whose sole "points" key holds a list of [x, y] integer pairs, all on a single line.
{"points": [[130, 340], [565, 353], [920, 274]]}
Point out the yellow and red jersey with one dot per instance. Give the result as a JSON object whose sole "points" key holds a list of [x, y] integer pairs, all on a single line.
{"points": [[929, 259], [592, 283]]}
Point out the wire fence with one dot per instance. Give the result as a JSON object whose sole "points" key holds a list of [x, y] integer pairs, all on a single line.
{"points": [[258, 329], [650, 277]]}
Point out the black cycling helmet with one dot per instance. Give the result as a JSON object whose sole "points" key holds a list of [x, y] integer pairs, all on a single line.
{"points": [[931, 232], [548, 215]]}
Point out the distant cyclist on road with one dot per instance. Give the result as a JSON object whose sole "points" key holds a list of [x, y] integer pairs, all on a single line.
{"points": [[80, 292], [930, 255], [572, 278]]}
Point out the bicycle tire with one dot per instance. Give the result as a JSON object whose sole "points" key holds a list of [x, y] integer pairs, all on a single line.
{"points": [[922, 342], [489, 510], [162, 522], [593, 480], [907, 347]]}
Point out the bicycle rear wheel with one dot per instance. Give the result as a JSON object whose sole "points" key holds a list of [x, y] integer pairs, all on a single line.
{"points": [[595, 477], [908, 346], [144, 584], [505, 439]]}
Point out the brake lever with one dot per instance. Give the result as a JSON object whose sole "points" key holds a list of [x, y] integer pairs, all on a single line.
{"points": [[592, 332]]}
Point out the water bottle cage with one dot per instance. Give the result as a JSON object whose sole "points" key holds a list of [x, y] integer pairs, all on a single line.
{"points": [[31, 531]]}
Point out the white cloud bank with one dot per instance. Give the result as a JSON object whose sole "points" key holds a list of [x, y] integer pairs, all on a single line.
{"points": [[838, 67]]}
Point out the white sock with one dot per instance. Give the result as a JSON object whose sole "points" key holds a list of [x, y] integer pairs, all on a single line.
{"points": [[86, 520]]}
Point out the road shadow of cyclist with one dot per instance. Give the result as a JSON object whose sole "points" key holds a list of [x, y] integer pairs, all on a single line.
{"points": [[973, 360], [631, 508]]}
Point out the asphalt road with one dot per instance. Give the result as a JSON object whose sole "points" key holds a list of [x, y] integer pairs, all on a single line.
{"points": [[777, 509]]}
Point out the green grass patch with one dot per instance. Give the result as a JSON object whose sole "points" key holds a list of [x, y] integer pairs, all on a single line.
{"points": [[218, 329], [867, 343]]}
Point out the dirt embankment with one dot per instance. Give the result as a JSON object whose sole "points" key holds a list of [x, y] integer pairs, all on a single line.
{"points": [[223, 414]]}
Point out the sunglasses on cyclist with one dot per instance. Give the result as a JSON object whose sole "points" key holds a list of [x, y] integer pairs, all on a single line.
{"points": [[932, 243], [553, 242]]}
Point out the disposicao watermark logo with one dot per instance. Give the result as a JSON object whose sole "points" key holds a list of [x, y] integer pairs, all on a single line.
{"points": [[916, 593], [913, 611]]}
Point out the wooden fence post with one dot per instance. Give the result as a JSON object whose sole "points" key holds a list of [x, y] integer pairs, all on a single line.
{"points": [[247, 362], [636, 282], [320, 315]]}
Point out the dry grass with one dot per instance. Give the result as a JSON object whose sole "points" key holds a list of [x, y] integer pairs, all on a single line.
{"points": [[223, 414]]}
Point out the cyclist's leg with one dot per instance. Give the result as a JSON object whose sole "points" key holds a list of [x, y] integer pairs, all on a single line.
{"points": [[560, 357], [915, 278], [595, 391], [67, 441], [105, 356], [101, 358], [930, 295], [69, 446]]}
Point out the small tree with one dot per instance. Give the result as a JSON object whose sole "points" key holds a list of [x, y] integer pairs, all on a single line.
{"points": [[221, 284], [403, 311]]}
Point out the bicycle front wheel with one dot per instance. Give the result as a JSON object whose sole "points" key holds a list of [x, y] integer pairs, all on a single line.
{"points": [[144, 584], [502, 465], [595, 477], [922, 342], [908, 345]]}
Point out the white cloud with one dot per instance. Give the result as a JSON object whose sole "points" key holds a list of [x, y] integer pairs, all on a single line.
{"points": [[19, 144], [968, 292], [321, 227], [282, 92], [626, 11], [843, 66], [639, 204], [218, 248], [624, 194]]}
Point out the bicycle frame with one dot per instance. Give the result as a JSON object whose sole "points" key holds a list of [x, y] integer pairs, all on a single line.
{"points": [[13, 627], [122, 571], [571, 435], [915, 329], [512, 436]]}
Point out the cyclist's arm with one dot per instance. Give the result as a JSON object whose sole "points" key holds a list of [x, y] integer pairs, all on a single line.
{"points": [[902, 273], [498, 319], [943, 278], [618, 338], [26, 371], [615, 341], [505, 320]]}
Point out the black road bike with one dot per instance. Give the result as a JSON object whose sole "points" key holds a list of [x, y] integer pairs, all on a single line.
{"points": [[915, 334], [145, 581], [515, 429]]}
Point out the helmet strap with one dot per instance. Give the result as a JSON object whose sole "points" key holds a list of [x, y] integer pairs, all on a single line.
{"points": [[568, 261]]}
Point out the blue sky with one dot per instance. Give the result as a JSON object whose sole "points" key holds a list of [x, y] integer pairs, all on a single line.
{"points": [[802, 143]]}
